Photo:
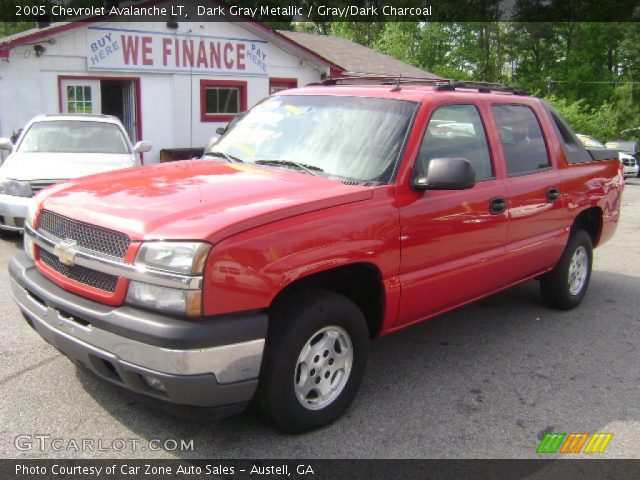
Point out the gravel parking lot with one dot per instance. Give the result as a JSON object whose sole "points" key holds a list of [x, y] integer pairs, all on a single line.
{"points": [[485, 381]]}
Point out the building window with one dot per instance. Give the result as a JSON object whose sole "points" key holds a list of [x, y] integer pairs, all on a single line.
{"points": [[220, 101], [79, 99], [279, 84]]}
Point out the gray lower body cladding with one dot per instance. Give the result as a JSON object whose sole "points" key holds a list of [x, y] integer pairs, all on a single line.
{"points": [[208, 362]]}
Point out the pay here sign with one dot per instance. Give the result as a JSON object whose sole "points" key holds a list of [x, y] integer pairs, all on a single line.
{"points": [[128, 50]]}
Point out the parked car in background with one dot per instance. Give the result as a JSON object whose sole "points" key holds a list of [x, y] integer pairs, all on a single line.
{"points": [[630, 164], [628, 148], [589, 141], [632, 147], [54, 148]]}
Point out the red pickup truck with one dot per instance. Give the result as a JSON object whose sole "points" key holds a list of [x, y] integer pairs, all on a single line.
{"points": [[325, 216]]}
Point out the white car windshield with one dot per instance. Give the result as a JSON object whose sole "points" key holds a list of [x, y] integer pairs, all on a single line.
{"points": [[74, 136], [357, 138]]}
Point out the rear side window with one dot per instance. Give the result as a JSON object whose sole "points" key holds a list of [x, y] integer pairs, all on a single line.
{"points": [[574, 150], [456, 131], [525, 150]]}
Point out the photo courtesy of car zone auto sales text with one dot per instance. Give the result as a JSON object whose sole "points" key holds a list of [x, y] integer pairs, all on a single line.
{"points": [[252, 238]]}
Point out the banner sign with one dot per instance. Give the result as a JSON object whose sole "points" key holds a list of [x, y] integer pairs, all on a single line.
{"points": [[135, 50]]}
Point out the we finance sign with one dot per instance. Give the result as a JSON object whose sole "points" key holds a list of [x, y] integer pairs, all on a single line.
{"points": [[133, 50]]}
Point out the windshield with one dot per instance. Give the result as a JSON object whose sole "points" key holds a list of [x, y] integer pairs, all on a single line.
{"points": [[74, 136], [356, 138]]}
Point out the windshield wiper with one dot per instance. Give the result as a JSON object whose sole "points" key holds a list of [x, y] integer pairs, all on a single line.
{"points": [[226, 156], [310, 169]]}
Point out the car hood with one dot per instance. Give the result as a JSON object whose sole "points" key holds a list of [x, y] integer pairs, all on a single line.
{"points": [[54, 166], [195, 199]]}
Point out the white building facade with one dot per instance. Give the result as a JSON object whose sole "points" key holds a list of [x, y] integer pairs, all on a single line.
{"points": [[171, 84]]}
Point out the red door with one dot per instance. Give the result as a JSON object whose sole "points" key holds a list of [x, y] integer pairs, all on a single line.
{"points": [[537, 217], [452, 244]]}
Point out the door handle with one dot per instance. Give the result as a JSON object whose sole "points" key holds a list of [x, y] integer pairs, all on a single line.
{"points": [[553, 194], [497, 205]]}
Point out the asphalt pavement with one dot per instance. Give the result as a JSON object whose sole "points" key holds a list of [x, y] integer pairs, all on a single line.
{"points": [[485, 381]]}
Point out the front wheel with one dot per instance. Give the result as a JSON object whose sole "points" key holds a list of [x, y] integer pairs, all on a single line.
{"points": [[565, 286], [314, 360]]}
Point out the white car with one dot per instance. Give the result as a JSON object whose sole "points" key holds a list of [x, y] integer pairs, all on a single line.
{"points": [[54, 148], [630, 165]]}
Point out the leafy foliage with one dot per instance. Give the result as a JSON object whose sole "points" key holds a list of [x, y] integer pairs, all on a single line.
{"points": [[588, 70]]}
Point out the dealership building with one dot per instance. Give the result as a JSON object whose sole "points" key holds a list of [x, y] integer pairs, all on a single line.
{"points": [[171, 83]]}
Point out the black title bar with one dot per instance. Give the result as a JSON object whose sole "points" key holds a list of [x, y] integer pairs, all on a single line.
{"points": [[322, 11], [317, 469]]}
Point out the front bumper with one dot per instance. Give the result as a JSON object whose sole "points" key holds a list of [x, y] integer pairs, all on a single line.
{"points": [[209, 362], [13, 211]]}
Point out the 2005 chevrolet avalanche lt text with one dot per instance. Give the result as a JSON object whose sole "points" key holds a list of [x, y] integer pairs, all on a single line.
{"points": [[325, 216]]}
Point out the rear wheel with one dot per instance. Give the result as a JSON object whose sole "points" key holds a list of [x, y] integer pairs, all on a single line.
{"points": [[314, 360], [565, 286]]}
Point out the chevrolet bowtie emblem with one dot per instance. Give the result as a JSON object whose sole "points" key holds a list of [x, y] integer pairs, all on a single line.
{"points": [[65, 252]]}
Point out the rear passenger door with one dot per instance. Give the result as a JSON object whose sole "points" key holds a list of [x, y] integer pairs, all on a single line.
{"points": [[452, 242], [536, 234]]}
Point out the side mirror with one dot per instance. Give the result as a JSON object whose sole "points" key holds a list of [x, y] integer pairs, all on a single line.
{"points": [[446, 174], [221, 130], [6, 144], [142, 147]]}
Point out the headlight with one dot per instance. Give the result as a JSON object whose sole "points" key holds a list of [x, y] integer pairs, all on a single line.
{"points": [[182, 302], [179, 257], [16, 188], [29, 247], [32, 208], [186, 258]]}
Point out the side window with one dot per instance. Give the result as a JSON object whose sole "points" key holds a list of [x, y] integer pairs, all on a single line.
{"points": [[573, 148], [524, 147], [456, 131]]}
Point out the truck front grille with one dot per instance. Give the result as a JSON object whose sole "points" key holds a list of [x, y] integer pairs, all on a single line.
{"points": [[80, 274], [89, 237]]}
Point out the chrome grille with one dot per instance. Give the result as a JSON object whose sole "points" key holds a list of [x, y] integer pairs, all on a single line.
{"points": [[96, 239], [80, 274], [37, 185]]}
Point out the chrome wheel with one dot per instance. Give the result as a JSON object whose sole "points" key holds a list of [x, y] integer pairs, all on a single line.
{"points": [[578, 268], [323, 367]]}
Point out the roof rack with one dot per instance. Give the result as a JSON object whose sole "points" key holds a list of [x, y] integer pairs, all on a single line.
{"points": [[439, 84], [481, 86], [379, 79]]}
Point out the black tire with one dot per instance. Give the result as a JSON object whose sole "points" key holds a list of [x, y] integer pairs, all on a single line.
{"points": [[555, 285], [294, 323]]}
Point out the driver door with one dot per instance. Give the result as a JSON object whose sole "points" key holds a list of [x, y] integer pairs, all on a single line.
{"points": [[452, 241]]}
